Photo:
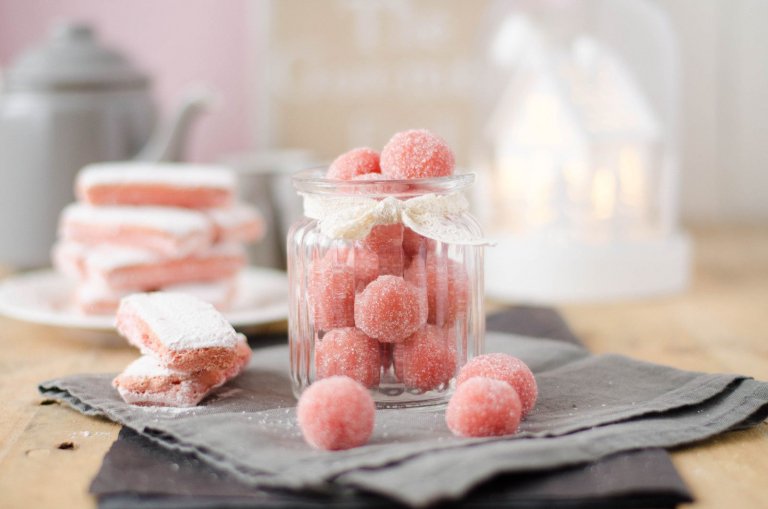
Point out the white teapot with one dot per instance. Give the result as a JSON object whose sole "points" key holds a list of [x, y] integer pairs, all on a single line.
{"points": [[65, 104]]}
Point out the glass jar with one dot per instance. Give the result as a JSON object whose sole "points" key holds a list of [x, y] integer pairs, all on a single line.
{"points": [[372, 299]]}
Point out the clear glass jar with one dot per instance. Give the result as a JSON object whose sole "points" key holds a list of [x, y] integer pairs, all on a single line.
{"points": [[397, 311]]}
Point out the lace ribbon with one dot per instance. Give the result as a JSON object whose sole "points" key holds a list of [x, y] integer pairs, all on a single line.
{"points": [[431, 215]]}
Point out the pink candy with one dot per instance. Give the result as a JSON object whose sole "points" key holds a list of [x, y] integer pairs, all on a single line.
{"points": [[426, 360], [336, 413], [331, 288], [413, 243], [446, 283], [387, 241], [351, 353], [506, 368], [352, 164], [483, 407], [390, 309], [416, 154]]}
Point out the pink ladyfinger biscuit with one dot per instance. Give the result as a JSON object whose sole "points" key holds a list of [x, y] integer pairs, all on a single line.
{"points": [[69, 258], [184, 333], [136, 269], [169, 184], [239, 223], [146, 382], [164, 230], [94, 297]]}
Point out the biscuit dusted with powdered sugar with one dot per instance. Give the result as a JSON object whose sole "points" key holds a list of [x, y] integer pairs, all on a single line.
{"points": [[141, 270], [164, 230], [143, 183], [183, 332], [147, 382]]}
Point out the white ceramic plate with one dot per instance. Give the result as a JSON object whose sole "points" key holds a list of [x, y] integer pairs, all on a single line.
{"points": [[43, 297]]}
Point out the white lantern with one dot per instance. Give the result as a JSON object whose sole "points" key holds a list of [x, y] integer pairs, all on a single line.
{"points": [[580, 169]]}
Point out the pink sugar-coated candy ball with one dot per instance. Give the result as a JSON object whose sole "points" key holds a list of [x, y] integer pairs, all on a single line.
{"points": [[351, 353], [384, 236], [364, 263], [416, 154], [483, 407], [356, 162], [390, 309], [387, 241], [415, 244], [336, 413], [331, 289], [446, 283], [426, 360], [506, 368]]}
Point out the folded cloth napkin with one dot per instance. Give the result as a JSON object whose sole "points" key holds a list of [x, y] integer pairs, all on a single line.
{"points": [[590, 407], [138, 474]]}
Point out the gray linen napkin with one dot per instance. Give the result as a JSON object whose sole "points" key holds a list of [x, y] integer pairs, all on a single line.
{"points": [[137, 474], [590, 407]]}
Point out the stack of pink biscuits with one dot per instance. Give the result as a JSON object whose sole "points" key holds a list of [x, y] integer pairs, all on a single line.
{"points": [[188, 349], [154, 226]]}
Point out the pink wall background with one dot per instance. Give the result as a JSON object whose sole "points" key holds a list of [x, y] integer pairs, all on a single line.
{"points": [[178, 42]]}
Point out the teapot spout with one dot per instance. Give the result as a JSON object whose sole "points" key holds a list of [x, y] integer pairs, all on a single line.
{"points": [[169, 139]]}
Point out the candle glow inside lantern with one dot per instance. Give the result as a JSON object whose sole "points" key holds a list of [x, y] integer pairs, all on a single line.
{"points": [[581, 179]]}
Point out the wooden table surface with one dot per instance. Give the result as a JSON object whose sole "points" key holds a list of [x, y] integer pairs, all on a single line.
{"points": [[720, 324]]}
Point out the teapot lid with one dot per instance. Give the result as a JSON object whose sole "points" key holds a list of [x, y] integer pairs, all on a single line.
{"points": [[72, 58]]}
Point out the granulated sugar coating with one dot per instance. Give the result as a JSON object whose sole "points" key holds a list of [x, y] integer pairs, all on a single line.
{"points": [[384, 236], [426, 360], [390, 309], [446, 283], [506, 368], [416, 154], [387, 241], [352, 164], [483, 407], [351, 353], [336, 413], [331, 289]]}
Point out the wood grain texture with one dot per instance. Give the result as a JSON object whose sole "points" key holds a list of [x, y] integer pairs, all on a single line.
{"points": [[720, 324]]}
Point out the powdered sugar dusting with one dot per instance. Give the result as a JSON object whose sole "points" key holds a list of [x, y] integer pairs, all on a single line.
{"points": [[148, 366], [180, 321], [174, 221], [169, 174], [240, 214]]}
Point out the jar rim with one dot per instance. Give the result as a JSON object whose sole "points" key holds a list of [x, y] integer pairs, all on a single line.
{"points": [[313, 181]]}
